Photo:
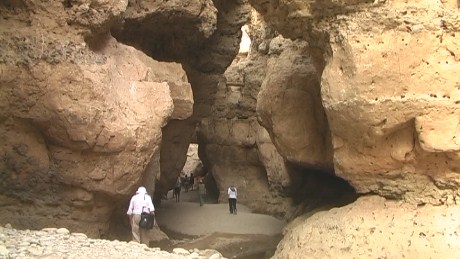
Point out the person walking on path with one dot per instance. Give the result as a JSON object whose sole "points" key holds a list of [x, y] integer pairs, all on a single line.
{"points": [[186, 183], [192, 181], [140, 202], [202, 190], [232, 195]]}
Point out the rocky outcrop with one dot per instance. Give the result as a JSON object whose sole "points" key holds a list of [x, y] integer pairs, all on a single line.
{"points": [[229, 135], [60, 242], [268, 87], [391, 99], [204, 37], [81, 122], [393, 133], [395, 68], [373, 227], [193, 164], [364, 90], [203, 34], [177, 136], [167, 29], [289, 105]]}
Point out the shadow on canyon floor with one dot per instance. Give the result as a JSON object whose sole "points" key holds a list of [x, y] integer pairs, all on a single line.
{"points": [[188, 225], [229, 245]]}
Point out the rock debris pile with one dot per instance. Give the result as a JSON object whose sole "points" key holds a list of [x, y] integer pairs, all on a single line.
{"points": [[60, 243]]}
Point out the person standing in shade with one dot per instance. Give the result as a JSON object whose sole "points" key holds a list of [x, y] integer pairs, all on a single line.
{"points": [[140, 202], [192, 181], [177, 188], [187, 183], [202, 190], [232, 195]]}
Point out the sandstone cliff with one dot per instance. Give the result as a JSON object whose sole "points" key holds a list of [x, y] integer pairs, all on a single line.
{"points": [[81, 114], [388, 87], [98, 97]]}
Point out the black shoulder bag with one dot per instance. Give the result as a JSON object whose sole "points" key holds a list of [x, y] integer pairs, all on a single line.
{"points": [[147, 219]]}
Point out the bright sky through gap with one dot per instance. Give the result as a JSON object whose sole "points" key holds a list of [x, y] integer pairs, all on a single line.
{"points": [[245, 40]]}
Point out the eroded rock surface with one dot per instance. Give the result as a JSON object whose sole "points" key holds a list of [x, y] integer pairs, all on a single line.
{"points": [[388, 88], [392, 78], [365, 90], [289, 105], [373, 227], [79, 124], [390, 93]]}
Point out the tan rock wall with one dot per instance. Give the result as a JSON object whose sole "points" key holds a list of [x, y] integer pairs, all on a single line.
{"points": [[85, 119], [389, 89], [390, 93], [81, 122], [229, 138], [231, 152], [289, 105], [372, 228], [392, 79], [177, 135]]}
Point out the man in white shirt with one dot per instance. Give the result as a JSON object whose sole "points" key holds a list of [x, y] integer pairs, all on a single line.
{"points": [[232, 194], [140, 202]]}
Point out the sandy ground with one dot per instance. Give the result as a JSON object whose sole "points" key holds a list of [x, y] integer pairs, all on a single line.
{"points": [[189, 225]]}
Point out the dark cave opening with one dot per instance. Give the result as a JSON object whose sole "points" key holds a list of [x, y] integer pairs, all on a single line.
{"points": [[317, 189]]}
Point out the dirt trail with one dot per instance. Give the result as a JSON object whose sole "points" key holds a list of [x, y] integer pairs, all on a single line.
{"points": [[246, 235]]}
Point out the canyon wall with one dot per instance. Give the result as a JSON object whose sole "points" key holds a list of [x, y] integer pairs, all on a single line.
{"points": [[99, 97], [390, 93], [388, 87], [82, 114]]}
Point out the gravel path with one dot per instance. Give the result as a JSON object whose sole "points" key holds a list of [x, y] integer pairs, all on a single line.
{"points": [[54, 243], [186, 217]]}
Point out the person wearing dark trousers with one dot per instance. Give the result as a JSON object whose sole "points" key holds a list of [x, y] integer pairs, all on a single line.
{"points": [[192, 181], [177, 188], [232, 196], [202, 190]]}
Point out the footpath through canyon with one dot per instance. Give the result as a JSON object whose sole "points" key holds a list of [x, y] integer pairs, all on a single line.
{"points": [[194, 231], [189, 225]]}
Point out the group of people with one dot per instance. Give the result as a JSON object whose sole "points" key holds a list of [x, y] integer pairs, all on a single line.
{"points": [[142, 202], [188, 182], [180, 182]]}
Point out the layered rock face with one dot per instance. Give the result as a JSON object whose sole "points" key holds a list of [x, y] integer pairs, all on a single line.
{"points": [[80, 120], [398, 73], [365, 90], [374, 227], [86, 118], [289, 105], [389, 90], [390, 93]]}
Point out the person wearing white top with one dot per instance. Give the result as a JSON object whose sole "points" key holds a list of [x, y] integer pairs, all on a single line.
{"points": [[232, 196], [140, 202]]}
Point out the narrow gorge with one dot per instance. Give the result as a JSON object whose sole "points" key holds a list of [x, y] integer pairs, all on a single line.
{"points": [[340, 117]]}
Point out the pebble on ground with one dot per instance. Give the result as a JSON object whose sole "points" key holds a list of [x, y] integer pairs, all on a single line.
{"points": [[56, 243]]}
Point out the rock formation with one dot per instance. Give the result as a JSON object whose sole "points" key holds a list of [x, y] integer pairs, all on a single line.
{"points": [[400, 78], [390, 94], [393, 133], [374, 227], [99, 97], [193, 164], [82, 114]]}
